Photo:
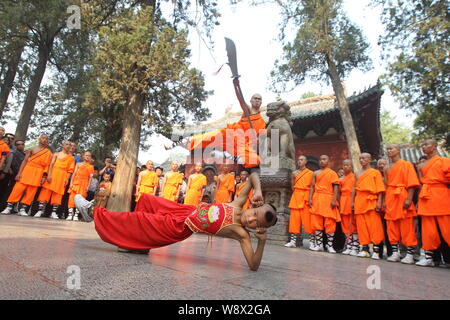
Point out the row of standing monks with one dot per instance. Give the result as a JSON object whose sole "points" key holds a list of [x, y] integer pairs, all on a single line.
{"points": [[359, 200]]}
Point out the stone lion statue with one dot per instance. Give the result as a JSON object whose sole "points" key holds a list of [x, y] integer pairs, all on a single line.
{"points": [[280, 118]]}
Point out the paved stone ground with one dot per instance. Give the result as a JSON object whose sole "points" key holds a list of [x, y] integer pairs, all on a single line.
{"points": [[35, 255]]}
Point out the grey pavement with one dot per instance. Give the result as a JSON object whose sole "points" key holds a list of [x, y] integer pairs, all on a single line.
{"points": [[36, 256]]}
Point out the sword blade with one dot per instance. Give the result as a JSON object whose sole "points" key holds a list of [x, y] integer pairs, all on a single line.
{"points": [[232, 59]]}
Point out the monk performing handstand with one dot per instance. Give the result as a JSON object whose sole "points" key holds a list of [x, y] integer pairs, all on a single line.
{"points": [[159, 222]]}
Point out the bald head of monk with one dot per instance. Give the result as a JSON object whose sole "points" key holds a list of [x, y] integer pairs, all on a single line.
{"points": [[429, 147], [73, 147], [87, 157], [149, 165], [302, 161], [393, 150], [2, 132], [43, 140], [324, 161], [198, 167], [365, 159], [244, 175], [256, 101], [66, 147], [347, 166], [174, 166]]}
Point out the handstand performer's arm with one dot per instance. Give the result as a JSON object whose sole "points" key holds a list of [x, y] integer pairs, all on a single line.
{"points": [[253, 258]]}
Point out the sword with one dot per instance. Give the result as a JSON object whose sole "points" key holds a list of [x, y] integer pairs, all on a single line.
{"points": [[232, 62]]}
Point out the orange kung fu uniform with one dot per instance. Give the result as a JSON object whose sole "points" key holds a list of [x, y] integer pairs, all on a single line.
{"points": [[400, 221], [149, 181], [236, 138], [322, 215], [4, 150], [368, 221], [225, 188], [249, 197], [345, 203], [194, 194], [173, 181], [80, 182], [434, 202], [31, 176], [53, 191], [299, 203]]}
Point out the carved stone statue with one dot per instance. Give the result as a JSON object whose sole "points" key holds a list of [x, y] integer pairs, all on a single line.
{"points": [[278, 162]]}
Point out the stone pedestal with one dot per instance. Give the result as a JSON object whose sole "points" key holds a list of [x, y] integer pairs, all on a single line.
{"points": [[277, 190]]}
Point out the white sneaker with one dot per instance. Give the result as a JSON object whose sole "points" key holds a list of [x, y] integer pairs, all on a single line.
{"points": [[23, 213], [38, 214], [424, 262], [353, 253], [8, 210], [75, 217], [395, 257], [330, 249], [363, 254], [69, 217], [408, 259], [54, 215], [346, 251], [290, 244], [314, 248], [375, 256]]}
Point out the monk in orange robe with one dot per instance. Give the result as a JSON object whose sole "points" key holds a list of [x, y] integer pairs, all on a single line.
{"points": [[434, 201], [348, 223], [225, 186], [195, 186], [32, 174], [236, 138], [401, 181], [323, 200], [240, 186], [4, 150], [61, 166], [79, 183], [299, 203], [367, 202], [171, 183], [147, 181]]}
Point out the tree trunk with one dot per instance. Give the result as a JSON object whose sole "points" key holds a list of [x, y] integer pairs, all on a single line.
{"points": [[124, 177], [8, 82], [32, 94], [347, 120]]}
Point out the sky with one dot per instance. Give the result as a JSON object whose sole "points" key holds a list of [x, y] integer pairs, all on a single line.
{"points": [[254, 30]]}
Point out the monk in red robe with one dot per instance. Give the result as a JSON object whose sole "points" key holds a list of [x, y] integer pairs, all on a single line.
{"points": [[32, 174], [158, 222], [323, 200], [367, 202], [348, 222], [434, 201], [401, 181], [195, 186], [237, 138], [61, 167], [300, 215], [225, 186]]}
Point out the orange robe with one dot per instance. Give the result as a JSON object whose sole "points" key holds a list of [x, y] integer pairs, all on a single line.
{"points": [[31, 177], [193, 195], [55, 190], [368, 221], [345, 204], [233, 139], [249, 197], [300, 211], [4, 150], [80, 182], [434, 202], [173, 181], [149, 181], [226, 187]]}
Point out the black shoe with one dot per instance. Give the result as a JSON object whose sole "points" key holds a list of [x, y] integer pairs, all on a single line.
{"points": [[137, 251]]}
